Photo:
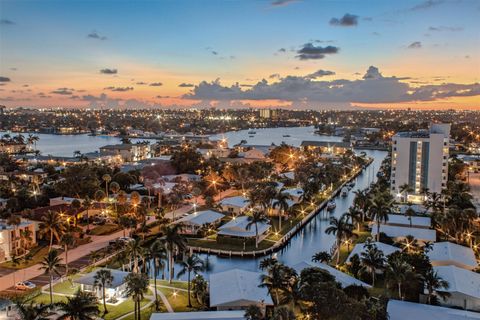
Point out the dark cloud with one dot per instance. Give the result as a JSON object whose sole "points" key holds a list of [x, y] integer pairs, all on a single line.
{"points": [[119, 89], [63, 91], [109, 71], [320, 73], [4, 79], [95, 35], [415, 45], [282, 50], [156, 84], [6, 22], [25, 85], [280, 3], [141, 83], [186, 85], [445, 28], [274, 76], [310, 51], [426, 5], [348, 20]]}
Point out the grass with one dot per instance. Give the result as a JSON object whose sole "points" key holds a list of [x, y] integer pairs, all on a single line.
{"points": [[179, 300], [123, 308], [66, 287], [45, 298], [175, 283], [228, 246], [361, 237], [37, 255], [103, 230]]}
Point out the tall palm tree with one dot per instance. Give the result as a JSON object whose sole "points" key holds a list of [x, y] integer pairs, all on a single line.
{"points": [[68, 239], [173, 240], [371, 260], [137, 286], [102, 279], [135, 251], [281, 201], [158, 254], [52, 225], [87, 204], [342, 229], [355, 215], [51, 265], [362, 202], [194, 264], [106, 178], [410, 213], [32, 311], [26, 236], [433, 282], [398, 271], [277, 281], [255, 218], [379, 210], [82, 306]]}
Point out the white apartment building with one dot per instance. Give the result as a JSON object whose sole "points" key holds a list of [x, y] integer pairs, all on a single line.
{"points": [[13, 240], [420, 159]]}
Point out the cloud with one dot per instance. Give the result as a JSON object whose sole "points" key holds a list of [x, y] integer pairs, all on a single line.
{"points": [[415, 45], [141, 83], [95, 35], [372, 88], [186, 85], [282, 50], [281, 3], [445, 28], [119, 89], [426, 5], [348, 20], [6, 22], [63, 91], [274, 76], [214, 52], [320, 73], [310, 51], [156, 84], [4, 79], [109, 71]]}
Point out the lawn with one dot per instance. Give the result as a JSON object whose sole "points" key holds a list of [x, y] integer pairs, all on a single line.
{"points": [[228, 246], [175, 283], [45, 298], [105, 229], [179, 300], [37, 255], [123, 308], [66, 287]]}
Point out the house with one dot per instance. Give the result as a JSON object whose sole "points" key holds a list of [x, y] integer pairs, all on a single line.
{"points": [[127, 151], [199, 315], [402, 310], [295, 193], [400, 232], [114, 291], [237, 229], [193, 222], [215, 152], [451, 254], [254, 153], [237, 289], [234, 205], [327, 147], [62, 200], [464, 287], [403, 220], [13, 240], [344, 279], [360, 247]]}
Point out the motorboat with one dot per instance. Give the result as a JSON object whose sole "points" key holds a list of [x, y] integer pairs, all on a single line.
{"points": [[344, 192], [331, 205], [252, 132], [286, 136]]}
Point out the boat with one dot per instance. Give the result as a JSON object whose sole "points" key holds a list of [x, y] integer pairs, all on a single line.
{"points": [[331, 205], [286, 136], [251, 136], [344, 192], [252, 132]]}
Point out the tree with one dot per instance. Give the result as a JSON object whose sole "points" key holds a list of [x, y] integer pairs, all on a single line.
{"points": [[410, 213], [194, 264], [404, 190], [341, 229], [397, 272], [355, 215], [32, 311], [106, 178], [281, 201], [267, 263], [102, 279], [253, 312], [137, 286], [434, 282], [68, 239], [283, 313], [87, 204], [51, 265], [173, 240], [53, 226], [254, 219], [322, 256], [158, 254], [135, 251], [277, 281], [371, 260], [82, 306], [379, 210], [186, 160], [200, 290]]}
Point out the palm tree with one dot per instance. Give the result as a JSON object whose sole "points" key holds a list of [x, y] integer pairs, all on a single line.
{"points": [[134, 251], [397, 272], [158, 254], [194, 264], [410, 213], [87, 204], [322, 256], [341, 229], [379, 210], [82, 306], [254, 219], [277, 281], [371, 260], [102, 279], [51, 265], [99, 195], [26, 236], [404, 190], [267, 263], [106, 178], [137, 286], [433, 282], [173, 241], [32, 311], [53, 225], [362, 202], [253, 312], [355, 216], [281, 201], [68, 239]]}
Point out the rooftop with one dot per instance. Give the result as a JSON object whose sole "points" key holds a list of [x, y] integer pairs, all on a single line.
{"points": [[460, 280], [238, 201], [201, 218], [420, 234], [400, 310], [417, 221], [237, 227], [448, 251]]}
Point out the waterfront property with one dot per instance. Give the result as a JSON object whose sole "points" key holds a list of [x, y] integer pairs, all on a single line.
{"points": [[451, 254], [401, 310], [327, 147], [194, 222], [398, 233], [127, 151], [237, 289], [115, 290], [414, 221], [234, 205], [237, 229], [361, 247]]}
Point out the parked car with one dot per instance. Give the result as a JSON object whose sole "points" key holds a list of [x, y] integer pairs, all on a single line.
{"points": [[25, 285]]}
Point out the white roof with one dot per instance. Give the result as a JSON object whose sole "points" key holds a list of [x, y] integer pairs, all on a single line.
{"points": [[344, 279], [401, 310], [385, 248], [460, 280], [418, 208], [237, 287], [404, 220], [237, 227], [289, 175], [448, 251], [401, 232], [166, 187], [238, 201], [294, 192], [201, 217], [200, 315]]}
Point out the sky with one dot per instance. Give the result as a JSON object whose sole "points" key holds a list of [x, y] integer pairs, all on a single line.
{"points": [[314, 54]]}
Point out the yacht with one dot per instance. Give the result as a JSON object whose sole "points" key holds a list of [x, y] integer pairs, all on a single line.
{"points": [[331, 205]]}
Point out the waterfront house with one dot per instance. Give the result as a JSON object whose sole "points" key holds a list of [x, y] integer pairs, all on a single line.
{"points": [[401, 310], [237, 229], [464, 287], [399, 233], [194, 222], [451, 254], [127, 151], [234, 205], [11, 240], [403, 220], [200, 315], [360, 247], [237, 289], [327, 147], [114, 291]]}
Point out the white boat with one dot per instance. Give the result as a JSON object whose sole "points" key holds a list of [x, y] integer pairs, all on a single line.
{"points": [[344, 192], [331, 205], [252, 132]]}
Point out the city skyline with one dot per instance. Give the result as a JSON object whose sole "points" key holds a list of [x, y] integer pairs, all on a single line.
{"points": [[300, 54]]}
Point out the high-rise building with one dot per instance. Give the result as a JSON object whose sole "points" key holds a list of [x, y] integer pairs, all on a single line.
{"points": [[267, 113], [420, 160]]}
